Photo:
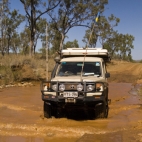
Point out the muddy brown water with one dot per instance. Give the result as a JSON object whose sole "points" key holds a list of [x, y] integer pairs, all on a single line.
{"points": [[21, 118]]}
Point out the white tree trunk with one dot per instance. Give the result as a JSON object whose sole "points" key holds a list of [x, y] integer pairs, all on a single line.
{"points": [[47, 75]]}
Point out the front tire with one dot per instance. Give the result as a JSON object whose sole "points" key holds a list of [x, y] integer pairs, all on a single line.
{"points": [[101, 111], [47, 110]]}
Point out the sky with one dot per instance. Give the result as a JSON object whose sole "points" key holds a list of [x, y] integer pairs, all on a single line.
{"points": [[128, 11]]}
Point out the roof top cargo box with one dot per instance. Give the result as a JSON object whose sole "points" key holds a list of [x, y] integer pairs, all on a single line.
{"points": [[89, 52]]}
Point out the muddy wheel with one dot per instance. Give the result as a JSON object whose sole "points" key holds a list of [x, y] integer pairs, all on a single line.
{"points": [[57, 114], [101, 111], [90, 113], [47, 110]]}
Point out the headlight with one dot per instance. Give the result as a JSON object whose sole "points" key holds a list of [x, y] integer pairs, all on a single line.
{"points": [[62, 87], [54, 87], [79, 87], [99, 87], [90, 87]]}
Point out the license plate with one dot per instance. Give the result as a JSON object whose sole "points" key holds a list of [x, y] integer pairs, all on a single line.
{"points": [[70, 94]]}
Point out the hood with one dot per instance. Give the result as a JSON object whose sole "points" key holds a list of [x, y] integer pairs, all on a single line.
{"points": [[78, 79]]}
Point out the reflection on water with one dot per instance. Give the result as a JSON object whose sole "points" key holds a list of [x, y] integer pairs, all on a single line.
{"points": [[135, 89]]}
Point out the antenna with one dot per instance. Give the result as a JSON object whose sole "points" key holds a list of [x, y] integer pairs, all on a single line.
{"points": [[96, 20]]}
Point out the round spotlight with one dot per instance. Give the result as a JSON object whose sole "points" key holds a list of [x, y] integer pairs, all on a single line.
{"points": [[62, 87], [79, 87], [54, 87]]}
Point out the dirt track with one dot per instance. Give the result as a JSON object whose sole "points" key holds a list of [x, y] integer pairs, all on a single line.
{"points": [[21, 118], [125, 72]]}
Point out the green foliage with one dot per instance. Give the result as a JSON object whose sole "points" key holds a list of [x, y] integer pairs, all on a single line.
{"points": [[62, 16], [9, 24], [73, 44], [74, 13], [25, 43], [43, 52], [34, 10], [120, 44], [92, 36]]}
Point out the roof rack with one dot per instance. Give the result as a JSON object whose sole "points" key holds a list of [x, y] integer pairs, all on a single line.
{"points": [[88, 52]]}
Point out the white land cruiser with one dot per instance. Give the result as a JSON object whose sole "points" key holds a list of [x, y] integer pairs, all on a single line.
{"points": [[78, 81]]}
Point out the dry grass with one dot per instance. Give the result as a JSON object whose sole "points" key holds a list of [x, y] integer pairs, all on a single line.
{"points": [[15, 68], [122, 71]]}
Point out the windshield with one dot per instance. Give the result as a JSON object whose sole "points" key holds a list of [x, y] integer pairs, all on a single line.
{"points": [[75, 68]]}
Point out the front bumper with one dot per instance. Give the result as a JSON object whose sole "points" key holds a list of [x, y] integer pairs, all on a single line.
{"points": [[83, 97], [70, 100]]}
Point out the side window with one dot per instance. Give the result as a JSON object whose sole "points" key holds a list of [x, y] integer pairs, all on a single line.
{"points": [[97, 68]]}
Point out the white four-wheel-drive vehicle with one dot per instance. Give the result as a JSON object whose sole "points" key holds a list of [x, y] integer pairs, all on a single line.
{"points": [[78, 82]]}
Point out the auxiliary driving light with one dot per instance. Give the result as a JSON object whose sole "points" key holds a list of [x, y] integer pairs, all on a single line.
{"points": [[62, 87], [54, 87], [79, 87]]}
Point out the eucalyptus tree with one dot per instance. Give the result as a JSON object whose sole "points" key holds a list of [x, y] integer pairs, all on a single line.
{"points": [[115, 42], [104, 29], [120, 44], [13, 21], [126, 46], [54, 39], [73, 13], [15, 43], [9, 22], [34, 10], [40, 31], [4, 11], [24, 38]]}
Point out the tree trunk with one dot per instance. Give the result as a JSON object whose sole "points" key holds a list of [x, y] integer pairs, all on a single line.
{"points": [[30, 50], [31, 53], [62, 40], [47, 75]]}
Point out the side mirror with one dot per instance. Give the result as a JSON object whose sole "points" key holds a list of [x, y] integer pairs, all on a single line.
{"points": [[57, 59], [107, 75]]}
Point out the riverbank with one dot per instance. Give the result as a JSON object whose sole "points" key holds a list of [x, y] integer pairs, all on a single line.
{"points": [[27, 69]]}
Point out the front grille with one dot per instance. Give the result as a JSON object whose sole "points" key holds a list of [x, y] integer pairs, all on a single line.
{"points": [[71, 86]]}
